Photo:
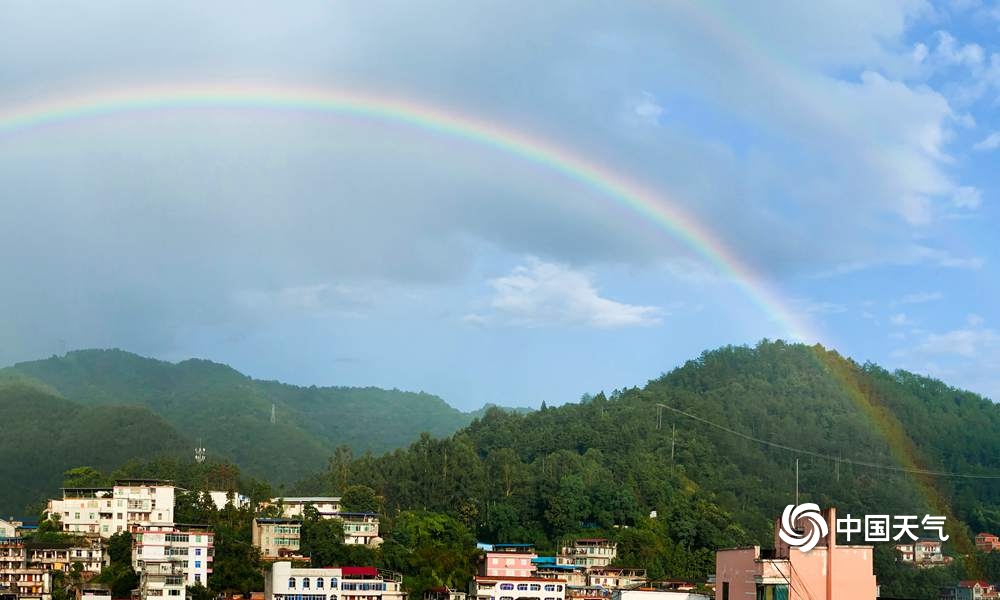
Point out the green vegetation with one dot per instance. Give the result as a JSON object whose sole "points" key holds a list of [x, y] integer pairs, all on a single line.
{"points": [[600, 466], [194, 400], [43, 435]]}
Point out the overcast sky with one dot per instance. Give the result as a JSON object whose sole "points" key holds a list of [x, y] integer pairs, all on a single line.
{"points": [[846, 151]]}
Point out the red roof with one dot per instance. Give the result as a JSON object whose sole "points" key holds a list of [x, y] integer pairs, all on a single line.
{"points": [[969, 583], [355, 571], [505, 578]]}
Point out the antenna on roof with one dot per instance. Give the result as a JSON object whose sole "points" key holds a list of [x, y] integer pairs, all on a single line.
{"points": [[199, 453]]}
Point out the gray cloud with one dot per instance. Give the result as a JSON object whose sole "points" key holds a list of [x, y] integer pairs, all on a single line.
{"points": [[174, 218]]}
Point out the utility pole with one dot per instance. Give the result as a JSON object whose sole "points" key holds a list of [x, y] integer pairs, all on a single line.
{"points": [[673, 441], [796, 482]]}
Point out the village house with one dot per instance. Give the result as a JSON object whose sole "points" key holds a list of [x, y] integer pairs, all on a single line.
{"points": [[987, 542], [923, 553], [970, 590], [295, 508]]}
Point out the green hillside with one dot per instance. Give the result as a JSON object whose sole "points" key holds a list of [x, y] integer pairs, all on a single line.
{"points": [[605, 463], [44, 435], [231, 413]]}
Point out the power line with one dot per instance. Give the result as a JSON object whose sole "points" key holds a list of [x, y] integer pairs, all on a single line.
{"points": [[835, 459]]}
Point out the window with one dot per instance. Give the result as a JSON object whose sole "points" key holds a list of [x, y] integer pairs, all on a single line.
{"points": [[305, 583], [725, 590], [507, 586], [333, 586], [197, 551], [521, 587], [197, 577], [175, 592], [550, 588], [319, 583], [291, 583], [535, 587], [197, 565]]}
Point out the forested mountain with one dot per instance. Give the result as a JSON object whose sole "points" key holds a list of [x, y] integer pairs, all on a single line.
{"points": [[605, 463], [230, 413], [44, 434]]}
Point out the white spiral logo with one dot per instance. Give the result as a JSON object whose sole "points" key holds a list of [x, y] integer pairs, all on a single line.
{"points": [[805, 541]]}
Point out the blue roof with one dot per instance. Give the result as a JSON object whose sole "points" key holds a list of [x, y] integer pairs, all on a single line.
{"points": [[543, 560]]}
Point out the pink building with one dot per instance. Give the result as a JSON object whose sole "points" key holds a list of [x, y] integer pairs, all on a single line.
{"points": [[827, 572], [509, 560]]}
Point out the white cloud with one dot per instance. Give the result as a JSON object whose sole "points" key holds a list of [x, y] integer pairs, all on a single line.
{"points": [[967, 197], [950, 52], [899, 319], [919, 52], [974, 320], [990, 142], [541, 294], [918, 298], [967, 343]]}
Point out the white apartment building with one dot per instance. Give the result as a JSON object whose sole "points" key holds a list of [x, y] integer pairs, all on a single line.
{"points": [[588, 552], [171, 557], [360, 528], [277, 538], [18, 577], [221, 499], [511, 588], [106, 511], [283, 582], [7, 529], [295, 508], [616, 577]]}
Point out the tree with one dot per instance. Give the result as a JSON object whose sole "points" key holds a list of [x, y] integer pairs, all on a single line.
{"points": [[84, 477], [359, 498]]}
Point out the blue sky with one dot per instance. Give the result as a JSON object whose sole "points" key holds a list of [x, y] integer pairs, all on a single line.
{"points": [[846, 151]]}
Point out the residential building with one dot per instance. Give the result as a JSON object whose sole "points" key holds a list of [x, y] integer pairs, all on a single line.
{"points": [[277, 538], [509, 560], [221, 499], [171, 557], [283, 582], [587, 592], [128, 504], [444, 593], [360, 528], [827, 572], [8, 529], [546, 567], [295, 508], [616, 578], [655, 595], [970, 590], [17, 577], [90, 555], [94, 591], [519, 588], [588, 552], [987, 542], [923, 553]]}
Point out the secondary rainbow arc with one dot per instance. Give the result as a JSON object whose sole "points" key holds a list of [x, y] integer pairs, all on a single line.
{"points": [[653, 207]]}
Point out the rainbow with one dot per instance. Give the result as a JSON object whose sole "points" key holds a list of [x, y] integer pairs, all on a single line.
{"points": [[654, 208]]}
